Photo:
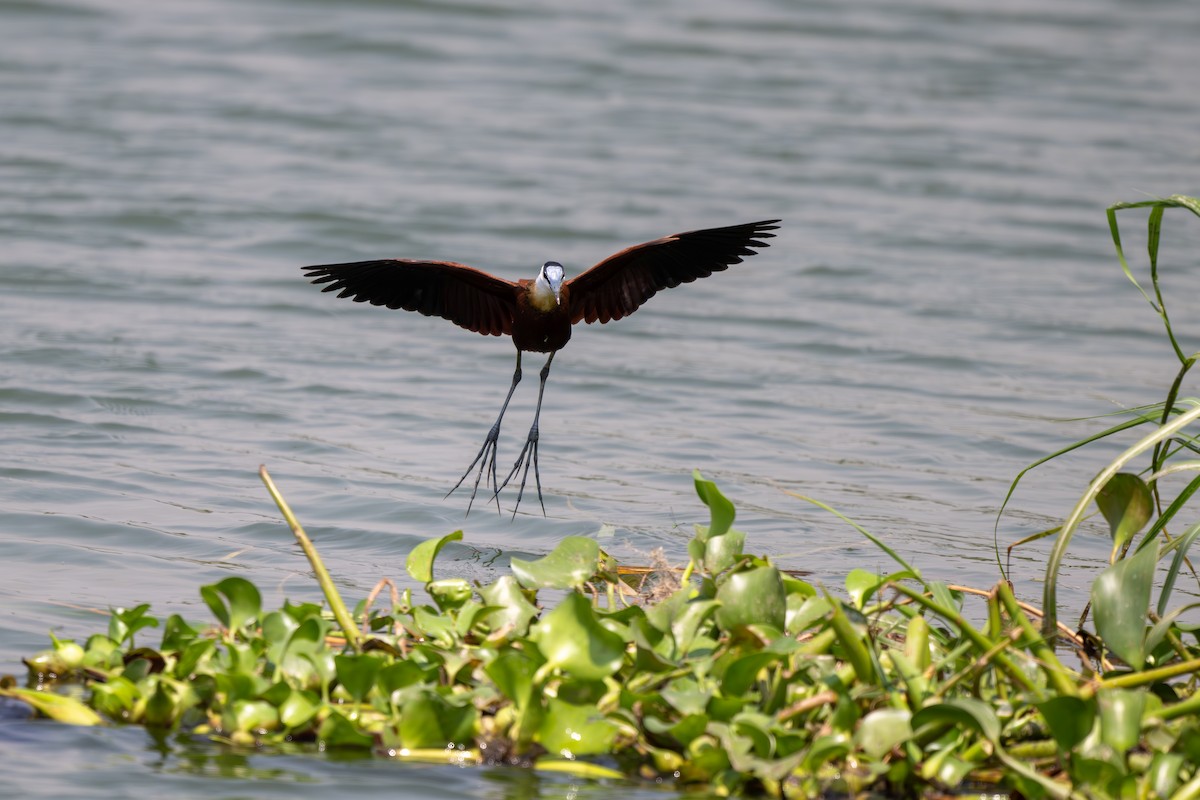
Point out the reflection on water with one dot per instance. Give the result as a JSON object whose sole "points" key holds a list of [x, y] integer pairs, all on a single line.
{"points": [[941, 294]]}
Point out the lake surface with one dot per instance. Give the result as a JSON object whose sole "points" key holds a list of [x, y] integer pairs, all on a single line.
{"points": [[942, 295]]}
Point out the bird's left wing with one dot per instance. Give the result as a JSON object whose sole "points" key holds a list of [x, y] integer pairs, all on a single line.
{"points": [[466, 296], [618, 285]]}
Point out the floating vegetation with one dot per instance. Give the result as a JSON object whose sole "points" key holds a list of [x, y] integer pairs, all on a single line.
{"points": [[732, 675]]}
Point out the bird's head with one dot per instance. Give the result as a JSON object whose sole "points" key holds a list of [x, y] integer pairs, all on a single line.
{"points": [[550, 281]]}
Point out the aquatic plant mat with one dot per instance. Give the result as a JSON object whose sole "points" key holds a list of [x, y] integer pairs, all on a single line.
{"points": [[730, 675]]}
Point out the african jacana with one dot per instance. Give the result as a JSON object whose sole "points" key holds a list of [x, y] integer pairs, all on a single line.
{"points": [[539, 313]]}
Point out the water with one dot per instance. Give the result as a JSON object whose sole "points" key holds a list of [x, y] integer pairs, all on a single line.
{"points": [[942, 293]]}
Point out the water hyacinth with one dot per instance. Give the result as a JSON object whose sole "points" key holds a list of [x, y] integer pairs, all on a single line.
{"points": [[730, 673]]}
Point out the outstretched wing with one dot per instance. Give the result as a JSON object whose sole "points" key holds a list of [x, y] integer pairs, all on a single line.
{"points": [[618, 285], [467, 297]]}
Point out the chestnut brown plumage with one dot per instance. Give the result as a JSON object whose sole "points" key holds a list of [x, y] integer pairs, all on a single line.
{"points": [[538, 313]]}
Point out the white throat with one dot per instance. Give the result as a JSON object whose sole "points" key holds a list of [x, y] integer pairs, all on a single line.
{"points": [[547, 288]]}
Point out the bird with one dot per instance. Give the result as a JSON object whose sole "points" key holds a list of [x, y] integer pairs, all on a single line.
{"points": [[539, 313]]}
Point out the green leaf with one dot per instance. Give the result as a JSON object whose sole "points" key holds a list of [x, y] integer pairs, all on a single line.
{"points": [[235, 602], [572, 639], [570, 564], [428, 720], [1070, 719], [1162, 777], [420, 561], [160, 708], [298, 709], [853, 639], [883, 729], [688, 622], [1120, 603], [337, 731], [826, 748], [741, 674], [403, 673], [125, 622], [450, 594], [860, 584], [277, 628], [1126, 503], [512, 671], [177, 634], [357, 673], [570, 730], [1121, 713], [685, 695], [514, 609], [721, 510], [722, 552], [251, 716], [803, 612], [114, 698], [436, 627], [959, 712], [57, 707], [752, 597]]}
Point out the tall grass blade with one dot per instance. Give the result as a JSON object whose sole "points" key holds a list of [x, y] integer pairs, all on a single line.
{"points": [[1050, 590]]}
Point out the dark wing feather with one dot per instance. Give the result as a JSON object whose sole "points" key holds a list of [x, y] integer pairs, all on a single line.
{"points": [[618, 285], [467, 297]]}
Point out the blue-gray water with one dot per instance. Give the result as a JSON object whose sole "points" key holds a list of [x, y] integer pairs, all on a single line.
{"points": [[942, 291]]}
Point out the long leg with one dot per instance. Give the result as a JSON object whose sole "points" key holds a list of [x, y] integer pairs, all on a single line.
{"points": [[529, 451], [486, 457]]}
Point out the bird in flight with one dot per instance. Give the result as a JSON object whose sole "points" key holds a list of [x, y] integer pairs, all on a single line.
{"points": [[538, 313]]}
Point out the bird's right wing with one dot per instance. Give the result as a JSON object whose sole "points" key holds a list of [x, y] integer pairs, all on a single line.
{"points": [[466, 296]]}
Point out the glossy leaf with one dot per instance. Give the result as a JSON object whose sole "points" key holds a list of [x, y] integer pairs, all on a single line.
{"points": [[1162, 778], [235, 602], [1121, 713], [853, 640], [571, 639], [399, 674], [420, 561], [721, 511], [685, 695], [743, 672], [570, 564], [450, 594], [960, 712], [160, 710], [1120, 603], [252, 716], [114, 698], [512, 671], [882, 730], [1127, 505], [337, 731], [570, 730], [126, 622], [803, 612], [827, 748], [752, 597], [1070, 719], [512, 610], [722, 552], [297, 710], [428, 720], [57, 707], [357, 674], [688, 623]]}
